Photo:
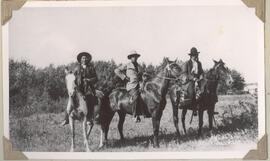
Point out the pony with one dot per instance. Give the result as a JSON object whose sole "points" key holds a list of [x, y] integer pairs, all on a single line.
{"points": [[81, 111], [153, 100], [207, 99]]}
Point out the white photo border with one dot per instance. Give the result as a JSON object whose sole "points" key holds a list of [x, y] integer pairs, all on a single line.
{"points": [[136, 155]]}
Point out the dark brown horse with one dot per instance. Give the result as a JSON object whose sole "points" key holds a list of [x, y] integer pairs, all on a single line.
{"points": [[207, 99], [153, 100]]}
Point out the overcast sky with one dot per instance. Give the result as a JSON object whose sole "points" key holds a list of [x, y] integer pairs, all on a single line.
{"points": [[56, 35]]}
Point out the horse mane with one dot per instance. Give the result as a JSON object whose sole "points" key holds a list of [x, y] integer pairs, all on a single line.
{"points": [[152, 86], [152, 89], [210, 80], [210, 74]]}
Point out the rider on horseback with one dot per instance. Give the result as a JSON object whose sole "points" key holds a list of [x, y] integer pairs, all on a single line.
{"points": [[86, 78], [132, 76], [194, 73]]}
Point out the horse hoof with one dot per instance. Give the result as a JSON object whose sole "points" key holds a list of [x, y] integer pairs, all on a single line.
{"points": [[100, 146], [72, 150], [122, 139], [156, 146], [178, 140], [210, 133]]}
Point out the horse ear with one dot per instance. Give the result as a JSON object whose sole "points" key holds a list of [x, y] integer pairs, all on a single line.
{"points": [[215, 61], [67, 70], [166, 59], [175, 60], [221, 61]]}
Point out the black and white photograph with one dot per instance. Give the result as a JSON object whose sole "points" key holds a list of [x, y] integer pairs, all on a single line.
{"points": [[180, 77]]}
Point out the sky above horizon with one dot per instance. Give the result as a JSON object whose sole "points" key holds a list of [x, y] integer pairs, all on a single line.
{"points": [[46, 36]]}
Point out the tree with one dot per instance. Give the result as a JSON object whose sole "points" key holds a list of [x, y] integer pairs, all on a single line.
{"points": [[21, 78], [238, 81], [106, 75], [54, 82], [237, 85]]}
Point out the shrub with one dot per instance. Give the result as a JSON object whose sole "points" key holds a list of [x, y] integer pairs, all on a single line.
{"points": [[244, 115]]}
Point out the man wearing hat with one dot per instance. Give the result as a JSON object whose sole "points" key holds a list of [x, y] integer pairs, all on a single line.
{"points": [[193, 70], [132, 76], [86, 78]]}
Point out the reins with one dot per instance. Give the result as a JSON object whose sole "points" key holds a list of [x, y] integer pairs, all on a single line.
{"points": [[168, 78]]}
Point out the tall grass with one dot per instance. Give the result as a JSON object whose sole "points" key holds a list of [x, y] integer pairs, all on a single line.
{"points": [[40, 105], [236, 126]]}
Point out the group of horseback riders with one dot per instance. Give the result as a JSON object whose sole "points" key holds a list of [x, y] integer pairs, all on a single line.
{"points": [[132, 74]]}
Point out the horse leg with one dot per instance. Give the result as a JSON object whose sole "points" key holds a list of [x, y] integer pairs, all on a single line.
{"points": [[106, 124], [200, 122], [71, 122], [210, 118], [101, 138], [175, 120], [183, 117], [84, 125], [89, 130], [156, 116], [121, 121]]}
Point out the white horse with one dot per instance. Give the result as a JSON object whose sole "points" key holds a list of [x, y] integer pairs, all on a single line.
{"points": [[78, 110]]}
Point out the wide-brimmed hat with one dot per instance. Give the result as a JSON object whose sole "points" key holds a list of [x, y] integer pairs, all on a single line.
{"points": [[193, 51], [89, 56], [133, 54]]}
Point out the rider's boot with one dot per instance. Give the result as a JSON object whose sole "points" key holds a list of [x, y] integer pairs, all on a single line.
{"points": [[135, 110]]}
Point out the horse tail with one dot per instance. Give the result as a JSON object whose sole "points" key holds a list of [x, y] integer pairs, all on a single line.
{"points": [[107, 102], [105, 110]]}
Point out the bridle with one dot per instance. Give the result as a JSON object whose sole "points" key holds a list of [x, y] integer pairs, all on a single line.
{"points": [[75, 88], [170, 75], [217, 74]]}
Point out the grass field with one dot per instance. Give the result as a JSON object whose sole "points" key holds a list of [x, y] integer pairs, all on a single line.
{"points": [[236, 128]]}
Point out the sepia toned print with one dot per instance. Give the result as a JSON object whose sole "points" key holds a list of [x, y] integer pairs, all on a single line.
{"points": [[177, 77]]}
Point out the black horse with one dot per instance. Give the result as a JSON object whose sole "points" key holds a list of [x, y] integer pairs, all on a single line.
{"points": [[207, 99]]}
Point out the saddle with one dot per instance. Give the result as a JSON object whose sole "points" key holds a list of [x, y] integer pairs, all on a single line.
{"points": [[184, 98], [93, 99]]}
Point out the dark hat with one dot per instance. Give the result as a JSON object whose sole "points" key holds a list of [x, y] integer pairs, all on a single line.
{"points": [[133, 54], [193, 51], [89, 56]]}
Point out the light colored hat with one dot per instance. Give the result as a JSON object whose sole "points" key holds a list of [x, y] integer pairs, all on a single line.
{"points": [[133, 53]]}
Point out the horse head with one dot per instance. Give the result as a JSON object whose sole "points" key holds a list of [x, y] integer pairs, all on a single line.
{"points": [[173, 69], [224, 71], [70, 82]]}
